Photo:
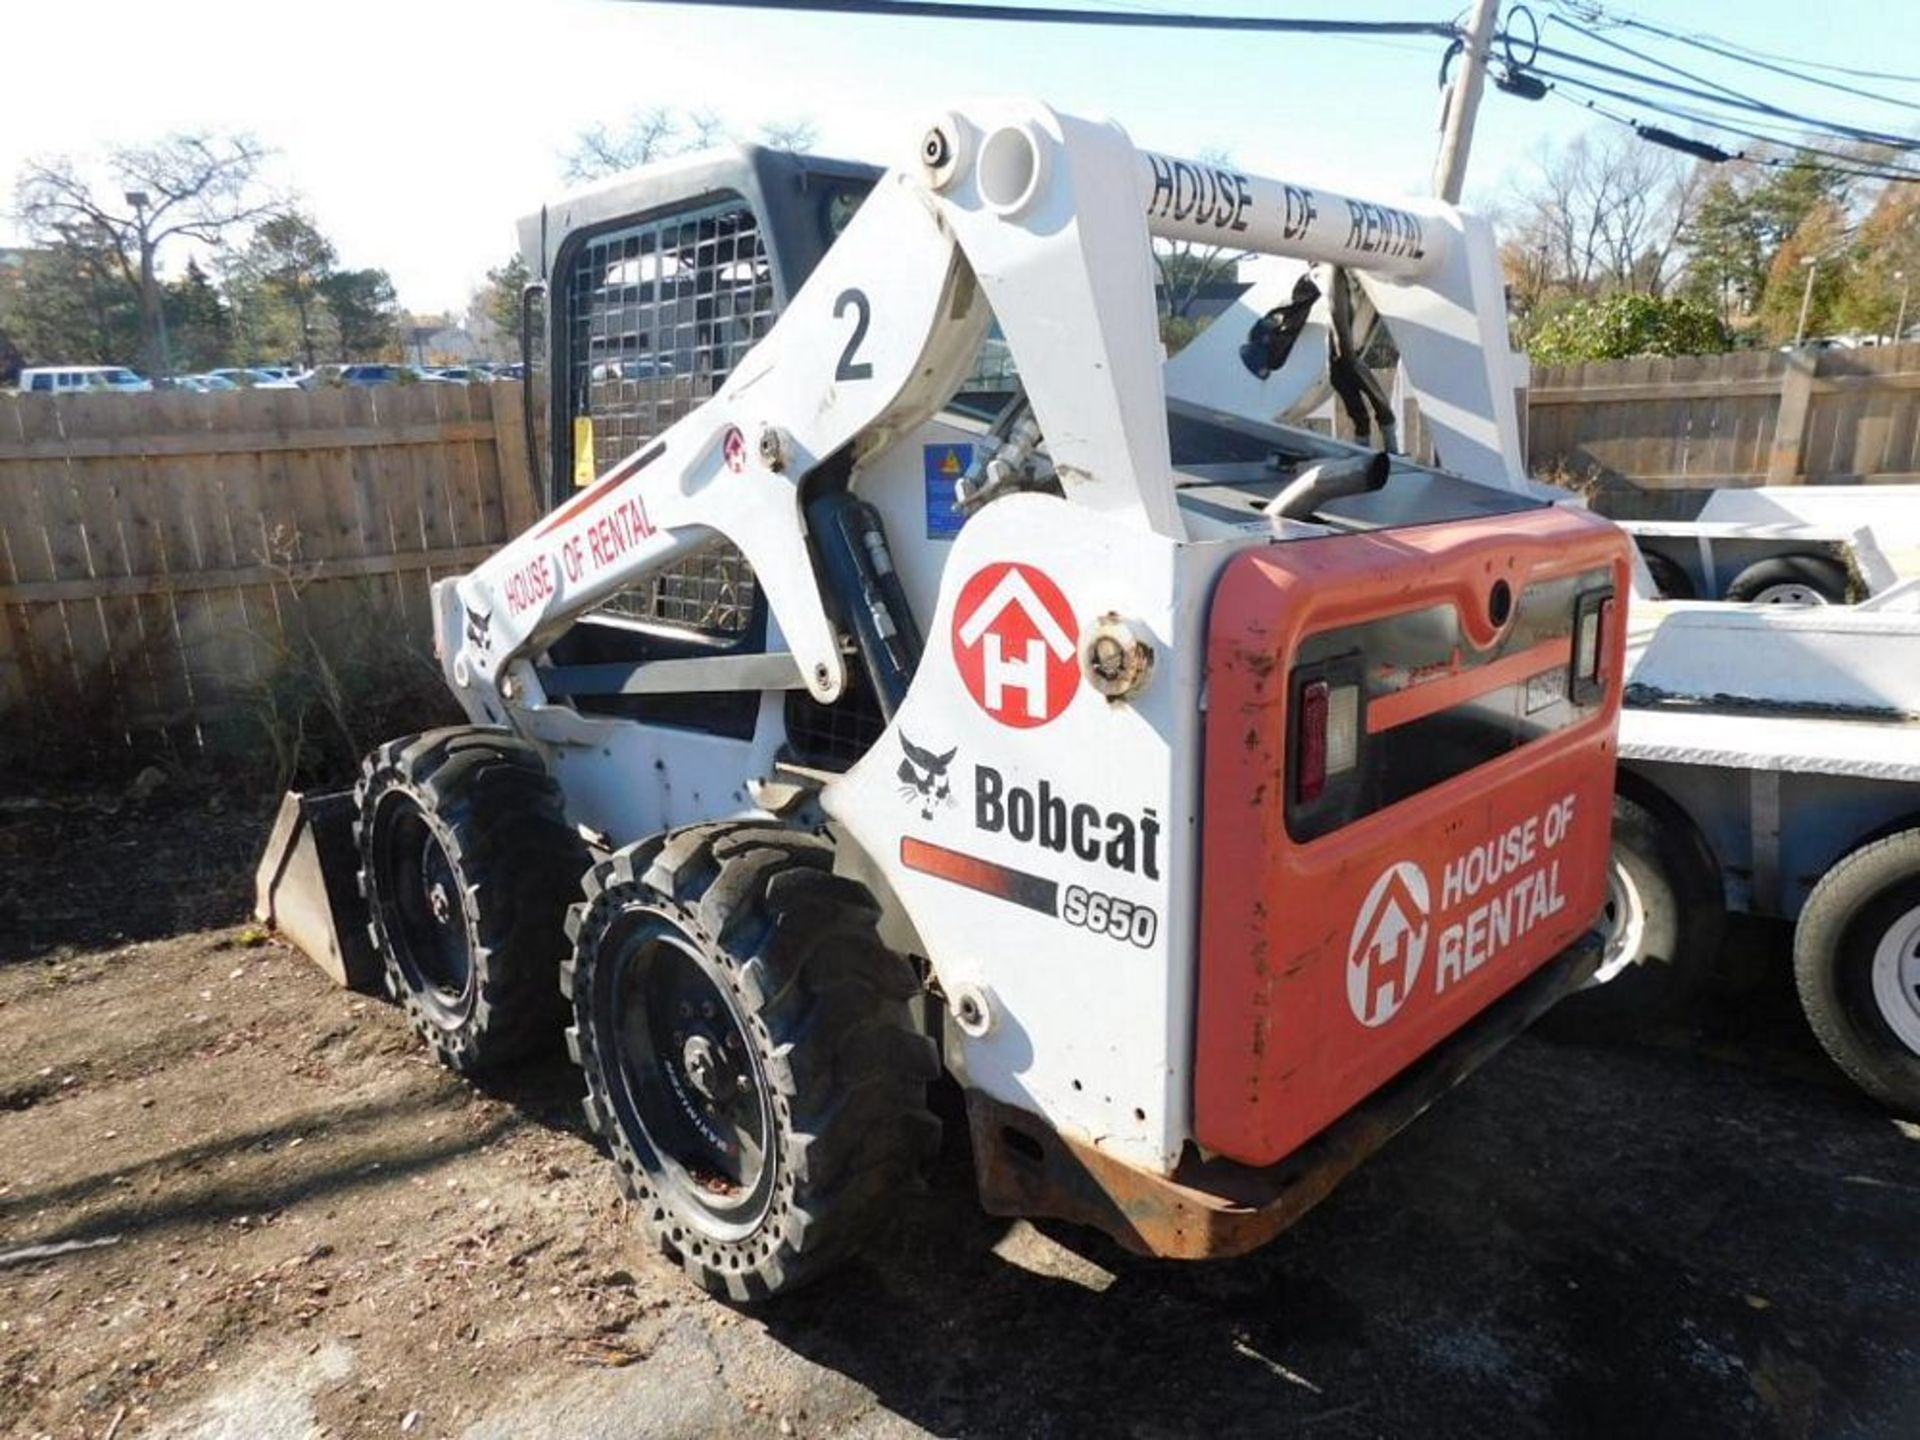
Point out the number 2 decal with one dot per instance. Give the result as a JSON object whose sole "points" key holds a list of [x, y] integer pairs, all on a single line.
{"points": [[849, 368]]}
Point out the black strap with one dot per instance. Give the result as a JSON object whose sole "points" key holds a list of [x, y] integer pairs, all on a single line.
{"points": [[1353, 382], [1271, 338]]}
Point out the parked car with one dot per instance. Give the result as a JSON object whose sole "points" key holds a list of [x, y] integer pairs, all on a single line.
{"points": [[74, 379], [361, 374], [256, 377], [461, 374]]}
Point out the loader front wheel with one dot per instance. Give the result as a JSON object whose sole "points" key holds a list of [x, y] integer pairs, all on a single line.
{"points": [[750, 1051], [468, 866]]}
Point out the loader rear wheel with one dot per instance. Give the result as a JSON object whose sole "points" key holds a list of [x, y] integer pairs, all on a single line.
{"points": [[1670, 579], [1662, 923], [750, 1052], [468, 865], [1856, 959]]}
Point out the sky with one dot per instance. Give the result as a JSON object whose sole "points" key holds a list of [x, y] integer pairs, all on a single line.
{"points": [[418, 131]]}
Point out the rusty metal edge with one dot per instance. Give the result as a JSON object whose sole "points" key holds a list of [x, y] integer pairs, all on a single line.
{"points": [[1213, 1209]]}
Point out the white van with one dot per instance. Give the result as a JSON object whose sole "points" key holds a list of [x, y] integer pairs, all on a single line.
{"points": [[73, 379]]}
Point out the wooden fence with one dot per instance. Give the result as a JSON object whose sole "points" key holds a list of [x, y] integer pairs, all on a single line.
{"points": [[1659, 435], [189, 574], [183, 573]]}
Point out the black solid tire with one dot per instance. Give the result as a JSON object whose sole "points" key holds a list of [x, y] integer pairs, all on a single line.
{"points": [[1833, 949], [1670, 578], [824, 1004], [485, 799], [1678, 890], [1817, 573]]}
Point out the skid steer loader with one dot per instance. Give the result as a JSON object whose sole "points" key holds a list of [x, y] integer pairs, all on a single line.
{"points": [[900, 683]]}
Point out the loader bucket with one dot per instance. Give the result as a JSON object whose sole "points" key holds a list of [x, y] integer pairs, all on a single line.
{"points": [[307, 887]]}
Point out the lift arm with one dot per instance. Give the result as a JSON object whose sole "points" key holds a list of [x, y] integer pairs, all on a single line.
{"points": [[1012, 211]]}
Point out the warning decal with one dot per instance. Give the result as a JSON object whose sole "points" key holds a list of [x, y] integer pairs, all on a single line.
{"points": [[943, 465]]}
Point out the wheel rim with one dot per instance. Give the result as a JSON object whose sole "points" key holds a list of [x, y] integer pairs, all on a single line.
{"points": [[691, 1082], [1790, 592], [1896, 978], [422, 909], [1623, 921]]}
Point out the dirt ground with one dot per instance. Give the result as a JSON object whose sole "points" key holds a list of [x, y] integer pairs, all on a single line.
{"points": [[296, 1225]]}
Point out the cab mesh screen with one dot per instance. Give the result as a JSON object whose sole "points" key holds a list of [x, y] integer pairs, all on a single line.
{"points": [[657, 315]]}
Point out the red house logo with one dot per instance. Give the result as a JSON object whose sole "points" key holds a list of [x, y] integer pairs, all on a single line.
{"points": [[1013, 643], [1389, 942]]}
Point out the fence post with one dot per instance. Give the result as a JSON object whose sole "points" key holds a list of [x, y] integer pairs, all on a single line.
{"points": [[1790, 425]]}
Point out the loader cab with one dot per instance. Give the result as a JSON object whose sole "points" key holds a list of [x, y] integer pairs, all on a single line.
{"points": [[659, 281]]}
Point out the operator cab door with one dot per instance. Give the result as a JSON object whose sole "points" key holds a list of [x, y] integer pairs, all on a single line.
{"points": [[657, 285]]}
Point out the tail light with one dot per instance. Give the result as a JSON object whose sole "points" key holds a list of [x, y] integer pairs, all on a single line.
{"points": [[1592, 621], [1326, 737]]}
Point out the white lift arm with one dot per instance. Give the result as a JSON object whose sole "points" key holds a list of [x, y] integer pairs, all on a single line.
{"points": [[1046, 218]]}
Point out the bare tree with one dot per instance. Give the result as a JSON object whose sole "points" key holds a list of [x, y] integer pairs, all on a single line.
{"points": [[661, 133], [706, 130], [1604, 214], [796, 135], [645, 136], [187, 187]]}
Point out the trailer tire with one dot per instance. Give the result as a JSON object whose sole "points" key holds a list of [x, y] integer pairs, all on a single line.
{"points": [[750, 1051], [1664, 919], [1670, 579], [468, 865], [1791, 580], [1856, 960]]}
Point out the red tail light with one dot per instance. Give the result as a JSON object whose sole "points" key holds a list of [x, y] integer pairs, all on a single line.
{"points": [[1310, 743]]}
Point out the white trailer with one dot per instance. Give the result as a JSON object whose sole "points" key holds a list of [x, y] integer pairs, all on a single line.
{"points": [[1770, 765], [1786, 545]]}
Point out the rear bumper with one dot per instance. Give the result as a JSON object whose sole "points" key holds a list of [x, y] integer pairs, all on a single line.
{"points": [[1211, 1209]]}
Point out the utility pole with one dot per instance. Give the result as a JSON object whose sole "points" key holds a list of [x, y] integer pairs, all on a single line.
{"points": [[1900, 325], [1463, 103]]}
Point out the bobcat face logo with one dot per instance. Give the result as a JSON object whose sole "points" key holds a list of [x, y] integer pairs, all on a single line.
{"points": [[479, 630], [923, 777]]}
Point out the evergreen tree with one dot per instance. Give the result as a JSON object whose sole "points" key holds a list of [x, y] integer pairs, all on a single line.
{"points": [[498, 301], [198, 324], [1727, 254], [361, 303], [68, 304], [291, 261]]}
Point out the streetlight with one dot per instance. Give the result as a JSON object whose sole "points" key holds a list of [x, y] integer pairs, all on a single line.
{"points": [[1812, 262]]}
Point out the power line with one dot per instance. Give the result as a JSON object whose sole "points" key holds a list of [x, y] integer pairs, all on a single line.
{"points": [[1598, 39], [1748, 52], [1062, 15], [1851, 166], [1713, 45], [1855, 165], [1732, 101]]}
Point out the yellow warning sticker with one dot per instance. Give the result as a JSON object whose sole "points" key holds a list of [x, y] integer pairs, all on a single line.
{"points": [[582, 451]]}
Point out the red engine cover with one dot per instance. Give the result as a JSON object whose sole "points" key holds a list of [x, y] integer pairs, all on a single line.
{"points": [[1341, 938]]}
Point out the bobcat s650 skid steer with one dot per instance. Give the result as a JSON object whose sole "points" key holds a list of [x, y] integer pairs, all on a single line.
{"points": [[901, 683]]}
